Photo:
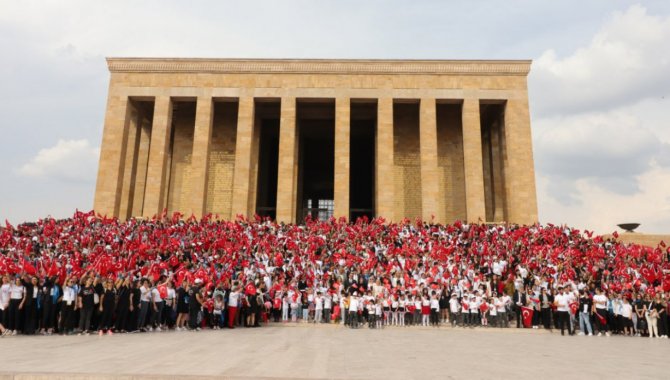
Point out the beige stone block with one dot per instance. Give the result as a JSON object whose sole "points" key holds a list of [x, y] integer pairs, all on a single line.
{"points": [[429, 172], [342, 156], [243, 149], [287, 171], [384, 170], [112, 156], [473, 166], [157, 181], [202, 139], [519, 170]]}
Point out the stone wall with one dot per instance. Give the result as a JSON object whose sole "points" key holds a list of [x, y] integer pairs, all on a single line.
{"points": [[406, 161], [222, 160], [450, 162], [180, 160]]}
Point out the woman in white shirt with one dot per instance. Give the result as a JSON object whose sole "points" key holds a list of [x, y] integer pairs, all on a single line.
{"points": [[4, 303], [17, 298], [68, 306], [394, 311]]}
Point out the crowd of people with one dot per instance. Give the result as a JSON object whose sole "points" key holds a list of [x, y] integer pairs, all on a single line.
{"points": [[92, 274]]}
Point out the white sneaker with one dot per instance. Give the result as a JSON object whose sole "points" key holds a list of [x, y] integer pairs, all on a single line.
{"points": [[14, 332], [580, 333], [177, 329], [600, 334], [158, 329], [590, 334], [150, 329], [608, 334]]}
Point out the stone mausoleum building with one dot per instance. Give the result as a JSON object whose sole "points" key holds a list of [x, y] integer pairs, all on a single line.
{"points": [[436, 139]]}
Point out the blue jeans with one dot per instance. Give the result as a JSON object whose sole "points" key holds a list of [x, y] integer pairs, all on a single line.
{"points": [[584, 319]]}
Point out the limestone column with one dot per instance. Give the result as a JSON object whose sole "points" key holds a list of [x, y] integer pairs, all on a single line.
{"points": [[202, 138], [243, 148], [475, 206], [287, 170], [127, 189], [142, 162], [384, 194], [428, 148], [112, 156], [154, 201], [519, 169], [342, 157]]}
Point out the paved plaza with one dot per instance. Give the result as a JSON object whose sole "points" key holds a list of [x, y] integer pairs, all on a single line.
{"points": [[333, 352]]}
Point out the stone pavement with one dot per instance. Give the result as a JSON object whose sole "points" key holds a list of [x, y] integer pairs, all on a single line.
{"points": [[324, 351]]}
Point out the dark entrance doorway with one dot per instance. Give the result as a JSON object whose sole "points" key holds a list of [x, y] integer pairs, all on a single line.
{"points": [[316, 130], [362, 160], [267, 121]]}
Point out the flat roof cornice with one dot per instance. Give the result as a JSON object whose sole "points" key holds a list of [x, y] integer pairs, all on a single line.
{"points": [[318, 66]]}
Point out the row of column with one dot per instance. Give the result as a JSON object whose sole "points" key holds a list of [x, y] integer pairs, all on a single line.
{"points": [[113, 156]]}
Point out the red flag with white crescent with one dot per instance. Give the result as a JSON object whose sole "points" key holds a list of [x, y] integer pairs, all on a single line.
{"points": [[527, 315]]}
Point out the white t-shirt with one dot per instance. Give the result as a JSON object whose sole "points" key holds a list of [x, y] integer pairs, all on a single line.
{"points": [[4, 296], [499, 305], [145, 294], [234, 299], [562, 302], [627, 310], [600, 300], [69, 295], [454, 305], [318, 303], [16, 292], [353, 304], [156, 295]]}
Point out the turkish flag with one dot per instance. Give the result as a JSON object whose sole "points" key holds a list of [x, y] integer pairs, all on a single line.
{"points": [[29, 268], [162, 290], [527, 315], [574, 307], [250, 289], [648, 274]]}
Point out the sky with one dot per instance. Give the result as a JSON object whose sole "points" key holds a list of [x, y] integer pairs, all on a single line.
{"points": [[599, 85]]}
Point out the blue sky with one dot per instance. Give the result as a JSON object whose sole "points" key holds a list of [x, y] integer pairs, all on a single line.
{"points": [[599, 85]]}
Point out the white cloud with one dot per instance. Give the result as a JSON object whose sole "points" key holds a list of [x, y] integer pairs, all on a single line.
{"points": [[601, 132], [601, 209], [68, 160], [627, 60]]}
